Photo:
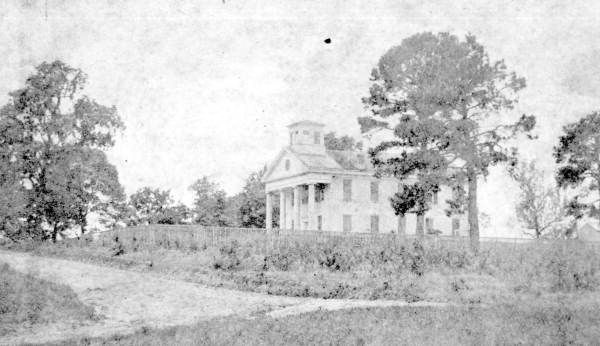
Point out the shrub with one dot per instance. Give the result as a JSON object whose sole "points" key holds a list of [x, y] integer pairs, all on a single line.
{"points": [[228, 258], [118, 248]]}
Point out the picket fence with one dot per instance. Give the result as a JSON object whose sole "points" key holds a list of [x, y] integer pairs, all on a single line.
{"points": [[195, 236]]}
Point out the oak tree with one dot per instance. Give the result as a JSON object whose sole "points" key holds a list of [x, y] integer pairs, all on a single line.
{"points": [[54, 140]]}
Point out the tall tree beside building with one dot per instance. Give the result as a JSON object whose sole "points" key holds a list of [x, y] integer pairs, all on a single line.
{"points": [[253, 201], [53, 137], [210, 203], [578, 156], [446, 89]]}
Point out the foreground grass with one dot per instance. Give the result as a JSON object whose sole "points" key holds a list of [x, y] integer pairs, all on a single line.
{"points": [[539, 293], [548, 323], [434, 271], [27, 301], [210, 267]]}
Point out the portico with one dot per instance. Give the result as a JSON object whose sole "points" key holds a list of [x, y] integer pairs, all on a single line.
{"points": [[300, 203]]}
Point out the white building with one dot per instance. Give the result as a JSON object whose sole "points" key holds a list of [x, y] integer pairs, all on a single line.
{"points": [[334, 190]]}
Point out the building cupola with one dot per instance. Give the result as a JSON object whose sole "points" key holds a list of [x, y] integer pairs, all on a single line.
{"points": [[307, 137]]}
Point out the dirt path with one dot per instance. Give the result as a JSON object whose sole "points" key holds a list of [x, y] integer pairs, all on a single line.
{"points": [[130, 300]]}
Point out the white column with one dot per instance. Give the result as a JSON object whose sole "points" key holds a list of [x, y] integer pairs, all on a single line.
{"points": [[288, 209], [311, 208], [282, 209], [296, 212], [269, 207]]}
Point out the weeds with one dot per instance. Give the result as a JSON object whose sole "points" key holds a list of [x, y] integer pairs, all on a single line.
{"points": [[26, 300]]}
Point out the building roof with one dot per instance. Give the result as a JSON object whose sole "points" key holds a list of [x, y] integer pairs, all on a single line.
{"points": [[306, 122], [335, 160], [351, 160]]}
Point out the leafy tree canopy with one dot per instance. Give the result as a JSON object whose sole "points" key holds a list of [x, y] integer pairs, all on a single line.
{"points": [[253, 201], [578, 156], [52, 138], [434, 93], [210, 203]]}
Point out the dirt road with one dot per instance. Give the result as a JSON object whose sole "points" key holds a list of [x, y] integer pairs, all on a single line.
{"points": [[132, 300]]}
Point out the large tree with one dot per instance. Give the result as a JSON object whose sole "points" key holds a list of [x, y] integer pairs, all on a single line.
{"points": [[54, 136], [253, 201], [148, 206], [578, 156], [450, 90], [210, 203]]}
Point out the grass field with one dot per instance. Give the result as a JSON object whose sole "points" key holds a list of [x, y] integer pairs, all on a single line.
{"points": [[525, 323], [26, 301], [430, 270], [532, 293]]}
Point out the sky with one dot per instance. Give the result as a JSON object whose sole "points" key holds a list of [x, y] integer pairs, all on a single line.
{"points": [[207, 87]]}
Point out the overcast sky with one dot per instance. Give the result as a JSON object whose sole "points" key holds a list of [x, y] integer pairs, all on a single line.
{"points": [[206, 87]]}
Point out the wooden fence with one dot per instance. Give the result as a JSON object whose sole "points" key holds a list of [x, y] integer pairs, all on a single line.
{"points": [[195, 236]]}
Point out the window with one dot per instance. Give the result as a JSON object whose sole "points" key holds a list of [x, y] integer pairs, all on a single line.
{"points": [[347, 190], [374, 223], [455, 226], [319, 222], [435, 198], [361, 159], [287, 165], [317, 137], [429, 225], [374, 191], [347, 223], [319, 193], [305, 132]]}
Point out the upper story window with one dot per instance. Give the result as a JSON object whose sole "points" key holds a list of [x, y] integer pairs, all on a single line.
{"points": [[361, 159], [305, 132], [374, 191], [317, 137], [287, 165], [319, 193], [347, 190]]}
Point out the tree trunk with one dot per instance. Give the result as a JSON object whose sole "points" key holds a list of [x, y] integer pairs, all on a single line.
{"points": [[598, 183], [473, 211], [420, 221], [54, 233], [83, 223]]}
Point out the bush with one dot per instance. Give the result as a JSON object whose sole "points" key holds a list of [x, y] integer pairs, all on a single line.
{"points": [[228, 258]]}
